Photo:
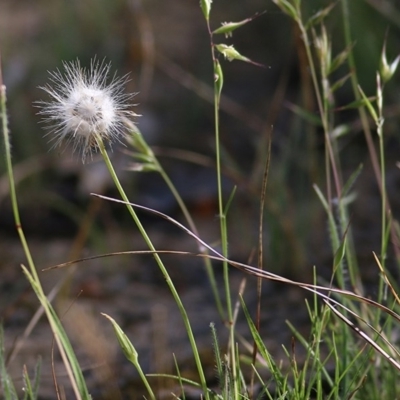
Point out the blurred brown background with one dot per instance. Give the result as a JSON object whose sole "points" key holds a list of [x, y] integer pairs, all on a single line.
{"points": [[164, 46]]}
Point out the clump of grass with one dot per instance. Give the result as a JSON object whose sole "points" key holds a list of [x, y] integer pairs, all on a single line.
{"points": [[349, 352], [30, 388]]}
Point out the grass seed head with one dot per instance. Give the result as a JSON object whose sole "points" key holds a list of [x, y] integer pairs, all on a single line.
{"points": [[86, 106]]}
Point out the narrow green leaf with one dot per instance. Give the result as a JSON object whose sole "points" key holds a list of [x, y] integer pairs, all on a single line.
{"points": [[206, 8], [8, 388], [184, 380], [352, 179], [287, 8], [331, 220], [387, 236], [368, 104], [277, 374], [228, 203], [36, 378], [319, 16], [340, 82], [321, 198], [340, 58], [217, 354], [297, 3], [340, 253], [59, 330], [306, 115], [179, 376], [28, 392], [357, 103]]}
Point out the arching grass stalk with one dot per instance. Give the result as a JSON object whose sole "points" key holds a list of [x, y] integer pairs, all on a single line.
{"points": [[67, 354], [159, 262]]}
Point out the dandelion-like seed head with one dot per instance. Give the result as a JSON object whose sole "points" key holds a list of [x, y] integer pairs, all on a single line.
{"points": [[87, 107]]}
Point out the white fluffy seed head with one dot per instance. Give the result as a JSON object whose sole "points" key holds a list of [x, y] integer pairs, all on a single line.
{"points": [[86, 107]]}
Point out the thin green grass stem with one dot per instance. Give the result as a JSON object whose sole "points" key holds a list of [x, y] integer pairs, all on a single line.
{"points": [[73, 371], [160, 264], [13, 194], [383, 203], [224, 244], [330, 156], [218, 84], [145, 381], [222, 216]]}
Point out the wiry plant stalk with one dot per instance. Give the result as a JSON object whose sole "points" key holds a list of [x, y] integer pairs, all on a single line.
{"points": [[160, 264], [70, 362]]}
